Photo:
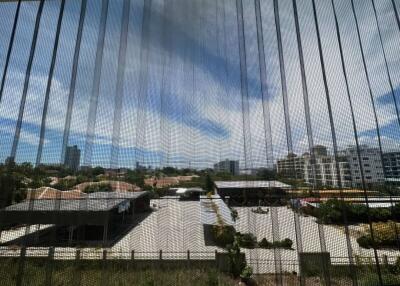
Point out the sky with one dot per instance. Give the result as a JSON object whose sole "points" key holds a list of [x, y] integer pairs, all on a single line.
{"points": [[181, 91]]}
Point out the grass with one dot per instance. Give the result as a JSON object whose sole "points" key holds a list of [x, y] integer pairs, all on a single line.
{"points": [[118, 273]]}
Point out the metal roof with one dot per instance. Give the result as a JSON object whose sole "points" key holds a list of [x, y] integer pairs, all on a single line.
{"points": [[100, 201], [251, 185], [208, 215]]}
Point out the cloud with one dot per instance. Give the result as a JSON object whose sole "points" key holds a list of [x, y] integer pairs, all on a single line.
{"points": [[190, 112]]}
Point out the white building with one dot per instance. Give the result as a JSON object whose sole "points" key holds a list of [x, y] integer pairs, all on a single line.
{"points": [[323, 171], [371, 163], [227, 166]]}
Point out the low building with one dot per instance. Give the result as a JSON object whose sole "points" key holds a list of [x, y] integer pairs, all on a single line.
{"points": [[116, 186], [251, 192], [227, 166], [190, 193], [97, 216], [164, 182], [51, 193], [161, 182]]}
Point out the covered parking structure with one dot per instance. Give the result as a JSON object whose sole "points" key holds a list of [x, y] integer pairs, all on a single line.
{"points": [[251, 192], [99, 217]]}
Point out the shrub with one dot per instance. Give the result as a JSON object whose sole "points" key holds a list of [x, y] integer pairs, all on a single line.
{"points": [[98, 187], [259, 210], [286, 243], [332, 211], [246, 240], [223, 235], [365, 241], [384, 235], [234, 214], [246, 272], [264, 243]]}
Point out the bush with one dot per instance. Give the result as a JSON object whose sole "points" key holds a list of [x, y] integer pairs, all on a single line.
{"points": [[264, 243], [234, 214], [259, 210], [384, 234], [286, 243], [98, 187], [246, 240], [223, 235], [332, 212], [365, 241], [246, 272]]}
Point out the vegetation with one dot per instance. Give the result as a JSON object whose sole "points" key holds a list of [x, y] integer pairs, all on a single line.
{"points": [[237, 260], [234, 214], [116, 273], [333, 211], [259, 210], [98, 187], [209, 184], [15, 180], [246, 273], [246, 240], [385, 235], [135, 177], [286, 244]]}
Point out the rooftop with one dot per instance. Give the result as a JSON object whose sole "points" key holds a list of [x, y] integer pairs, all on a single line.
{"points": [[251, 184], [209, 216], [100, 201]]}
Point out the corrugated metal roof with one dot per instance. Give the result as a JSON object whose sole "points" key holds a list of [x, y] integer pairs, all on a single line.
{"points": [[100, 201], [250, 184], [209, 216]]}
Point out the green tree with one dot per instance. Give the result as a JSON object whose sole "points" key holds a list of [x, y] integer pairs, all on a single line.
{"points": [[209, 184]]}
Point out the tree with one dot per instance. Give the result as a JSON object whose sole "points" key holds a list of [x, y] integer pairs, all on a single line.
{"points": [[135, 177], [209, 184]]}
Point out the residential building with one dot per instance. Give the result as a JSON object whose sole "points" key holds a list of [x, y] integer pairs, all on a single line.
{"points": [[371, 163], [319, 171], [227, 166], [325, 171], [291, 167], [72, 157], [391, 164]]}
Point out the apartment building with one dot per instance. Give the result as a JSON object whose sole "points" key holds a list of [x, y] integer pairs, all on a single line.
{"points": [[371, 163], [391, 164]]}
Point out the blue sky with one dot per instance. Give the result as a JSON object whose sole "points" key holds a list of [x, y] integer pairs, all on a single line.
{"points": [[181, 103]]}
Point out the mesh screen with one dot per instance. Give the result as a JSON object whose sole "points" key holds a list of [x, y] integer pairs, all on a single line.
{"points": [[199, 142]]}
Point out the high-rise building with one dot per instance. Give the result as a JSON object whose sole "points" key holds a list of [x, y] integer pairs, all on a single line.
{"points": [[227, 166], [371, 163], [72, 157], [291, 167], [391, 164], [324, 171], [321, 170]]}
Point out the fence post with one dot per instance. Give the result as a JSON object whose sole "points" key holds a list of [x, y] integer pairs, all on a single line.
{"points": [[133, 255], [21, 266], [49, 268], [188, 255], [104, 275], [77, 267], [385, 261], [160, 254]]}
